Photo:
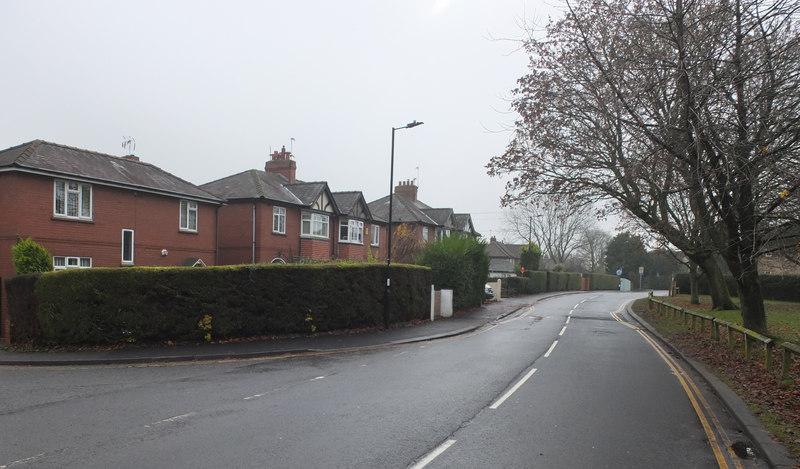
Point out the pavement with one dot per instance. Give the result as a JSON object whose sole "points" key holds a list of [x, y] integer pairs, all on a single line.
{"points": [[775, 454]]}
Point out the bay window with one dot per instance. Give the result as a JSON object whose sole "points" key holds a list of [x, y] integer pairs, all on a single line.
{"points": [[351, 231], [314, 224]]}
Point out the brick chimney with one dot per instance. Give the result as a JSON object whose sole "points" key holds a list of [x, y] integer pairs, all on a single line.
{"points": [[407, 188], [282, 163]]}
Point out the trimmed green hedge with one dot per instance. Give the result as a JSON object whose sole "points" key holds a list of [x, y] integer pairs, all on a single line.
{"points": [[563, 281], [157, 304], [773, 287], [598, 281]]}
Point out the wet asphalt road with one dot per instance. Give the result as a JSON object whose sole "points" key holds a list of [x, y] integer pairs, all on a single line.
{"points": [[563, 384]]}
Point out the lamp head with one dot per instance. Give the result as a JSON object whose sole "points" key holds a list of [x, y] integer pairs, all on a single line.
{"points": [[413, 124]]}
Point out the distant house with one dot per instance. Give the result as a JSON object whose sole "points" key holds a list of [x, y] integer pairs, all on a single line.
{"points": [[504, 259], [427, 223], [89, 209], [270, 216]]}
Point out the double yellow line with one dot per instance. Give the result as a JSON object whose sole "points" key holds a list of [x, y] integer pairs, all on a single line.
{"points": [[708, 418]]}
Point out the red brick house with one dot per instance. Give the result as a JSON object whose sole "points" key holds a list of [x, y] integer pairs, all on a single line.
{"points": [[426, 222], [89, 209], [270, 216]]}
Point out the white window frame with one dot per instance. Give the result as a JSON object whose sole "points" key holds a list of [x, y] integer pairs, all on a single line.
{"points": [[71, 262], [315, 225], [376, 235], [425, 233], [128, 257], [351, 231], [75, 199], [188, 208], [279, 220]]}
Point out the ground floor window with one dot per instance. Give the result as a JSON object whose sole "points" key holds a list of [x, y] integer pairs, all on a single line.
{"points": [[127, 246], [315, 224], [351, 231], [376, 235], [70, 262]]}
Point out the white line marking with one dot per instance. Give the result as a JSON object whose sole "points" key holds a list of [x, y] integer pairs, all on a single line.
{"points": [[256, 396], [570, 312], [568, 318], [172, 419], [317, 378], [22, 461], [433, 454], [576, 306], [550, 350], [511, 391], [563, 330]]}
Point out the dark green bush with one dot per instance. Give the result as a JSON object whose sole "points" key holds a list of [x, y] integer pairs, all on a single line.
{"points": [[459, 263], [530, 256], [157, 304], [22, 307]]}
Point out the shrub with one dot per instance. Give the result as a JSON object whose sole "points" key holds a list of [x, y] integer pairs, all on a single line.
{"points": [[29, 257], [530, 256], [459, 263]]}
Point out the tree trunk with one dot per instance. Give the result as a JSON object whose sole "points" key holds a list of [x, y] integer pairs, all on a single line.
{"points": [[745, 271], [720, 295], [693, 290], [753, 314]]}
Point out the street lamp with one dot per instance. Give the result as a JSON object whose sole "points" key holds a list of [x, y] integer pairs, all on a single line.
{"points": [[388, 295]]}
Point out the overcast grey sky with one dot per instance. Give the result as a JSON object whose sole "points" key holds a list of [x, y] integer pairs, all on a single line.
{"points": [[207, 89]]}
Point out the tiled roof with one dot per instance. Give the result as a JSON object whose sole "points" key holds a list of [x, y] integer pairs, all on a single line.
{"points": [[58, 160], [442, 216], [403, 211], [253, 184], [348, 203], [464, 222], [307, 192]]}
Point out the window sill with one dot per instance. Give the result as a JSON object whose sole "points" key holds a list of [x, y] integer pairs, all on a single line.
{"points": [[317, 238], [74, 220], [183, 230], [279, 233], [354, 243]]}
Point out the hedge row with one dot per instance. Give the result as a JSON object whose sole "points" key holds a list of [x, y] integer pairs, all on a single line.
{"points": [[598, 281], [158, 304], [539, 281], [773, 287]]}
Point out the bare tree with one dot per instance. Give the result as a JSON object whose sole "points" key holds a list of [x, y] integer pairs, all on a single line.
{"points": [[649, 102], [552, 223], [592, 249]]}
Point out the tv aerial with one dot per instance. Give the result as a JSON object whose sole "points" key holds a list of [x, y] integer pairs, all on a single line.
{"points": [[129, 144]]}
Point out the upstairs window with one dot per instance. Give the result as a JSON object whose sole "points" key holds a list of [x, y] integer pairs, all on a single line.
{"points": [[72, 200], [351, 231], [188, 217], [376, 235], [314, 224], [279, 220]]}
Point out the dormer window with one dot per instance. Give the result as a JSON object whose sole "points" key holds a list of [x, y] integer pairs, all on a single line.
{"points": [[72, 200]]}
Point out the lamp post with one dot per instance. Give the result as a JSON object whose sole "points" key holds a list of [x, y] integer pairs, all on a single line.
{"points": [[388, 294]]}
